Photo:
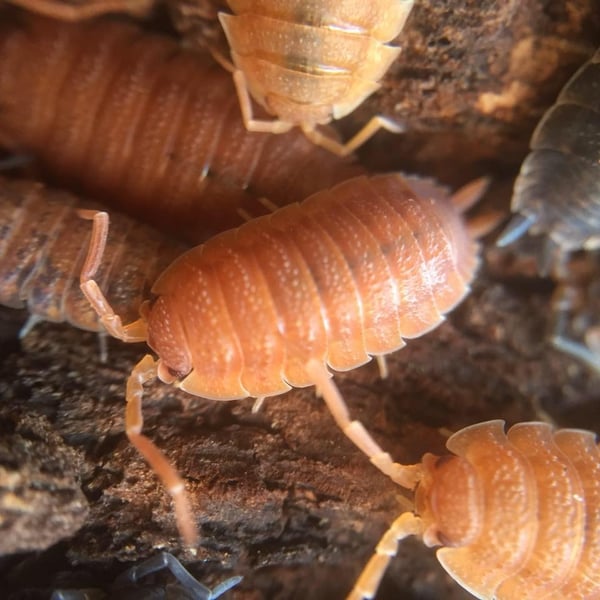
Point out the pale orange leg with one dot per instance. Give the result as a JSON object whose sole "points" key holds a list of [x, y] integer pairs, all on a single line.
{"points": [[370, 578], [65, 11], [361, 137], [382, 364], [405, 475], [252, 124], [143, 372], [134, 332]]}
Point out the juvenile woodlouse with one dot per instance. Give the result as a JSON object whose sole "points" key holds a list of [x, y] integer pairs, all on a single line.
{"points": [[309, 62], [558, 190], [344, 276], [43, 242], [131, 118], [517, 514]]}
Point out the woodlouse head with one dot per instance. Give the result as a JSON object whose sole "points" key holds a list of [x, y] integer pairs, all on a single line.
{"points": [[167, 338], [449, 500]]}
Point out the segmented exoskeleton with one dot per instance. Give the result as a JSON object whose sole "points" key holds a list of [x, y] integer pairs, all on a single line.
{"points": [[43, 242], [311, 61], [132, 119], [557, 193], [517, 514], [348, 274]]}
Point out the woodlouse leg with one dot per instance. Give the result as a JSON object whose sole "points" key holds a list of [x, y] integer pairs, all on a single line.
{"points": [[252, 124], [382, 364], [568, 300], [145, 371], [405, 475], [90, 8], [164, 560], [367, 132], [134, 332], [370, 578]]}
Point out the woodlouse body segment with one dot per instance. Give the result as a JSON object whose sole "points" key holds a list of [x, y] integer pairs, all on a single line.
{"points": [[345, 275], [43, 243], [132, 118], [311, 62], [558, 189], [516, 513]]}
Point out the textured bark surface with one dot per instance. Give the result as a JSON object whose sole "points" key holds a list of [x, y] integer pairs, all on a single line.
{"points": [[281, 497]]}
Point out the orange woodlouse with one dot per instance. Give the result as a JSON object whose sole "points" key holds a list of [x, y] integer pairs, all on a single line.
{"points": [[42, 247], [344, 276], [517, 514], [311, 61], [131, 118]]}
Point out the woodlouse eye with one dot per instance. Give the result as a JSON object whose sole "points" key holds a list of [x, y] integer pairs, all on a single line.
{"points": [[175, 373]]}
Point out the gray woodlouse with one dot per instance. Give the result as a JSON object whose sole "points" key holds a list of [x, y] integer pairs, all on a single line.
{"points": [[43, 242], [558, 190], [517, 513], [311, 61], [344, 276], [557, 193], [132, 119]]}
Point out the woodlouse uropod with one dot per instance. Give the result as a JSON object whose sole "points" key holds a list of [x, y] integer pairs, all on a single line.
{"points": [[131, 118], [557, 193], [309, 62], [517, 514], [346, 275], [42, 248]]}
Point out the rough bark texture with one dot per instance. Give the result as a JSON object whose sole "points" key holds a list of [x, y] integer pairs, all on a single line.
{"points": [[282, 497]]}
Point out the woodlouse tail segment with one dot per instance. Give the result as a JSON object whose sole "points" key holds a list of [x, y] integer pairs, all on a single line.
{"points": [[57, 9], [405, 475], [317, 137], [368, 582], [143, 372], [134, 332]]}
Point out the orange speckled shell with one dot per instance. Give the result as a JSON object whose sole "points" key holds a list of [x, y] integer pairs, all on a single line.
{"points": [[540, 510], [43, 242], [349, 273], [132, 119], [310, 61]]}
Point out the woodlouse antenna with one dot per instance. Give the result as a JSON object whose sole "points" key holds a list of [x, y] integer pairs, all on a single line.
{"points": [[144, 371]]}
